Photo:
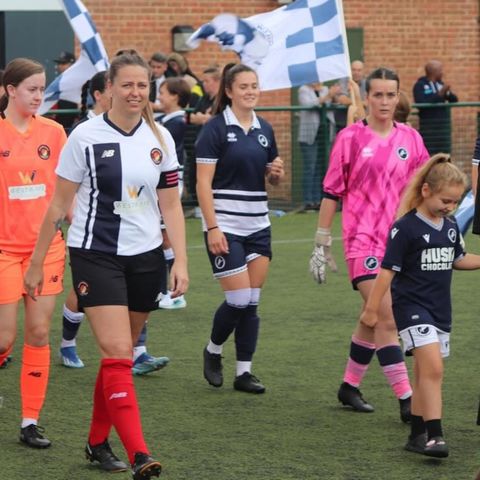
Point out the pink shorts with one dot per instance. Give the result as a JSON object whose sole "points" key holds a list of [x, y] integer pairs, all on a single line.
{"points": [[363, 268]]}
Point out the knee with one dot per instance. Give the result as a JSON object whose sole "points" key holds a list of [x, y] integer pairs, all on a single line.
{"points": [[6, 342], [433, 372], [37, 335], [239, 298]]}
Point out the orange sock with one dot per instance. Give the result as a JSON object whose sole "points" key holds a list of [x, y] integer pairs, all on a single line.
{"points": [[4, 355], [34, 379]]}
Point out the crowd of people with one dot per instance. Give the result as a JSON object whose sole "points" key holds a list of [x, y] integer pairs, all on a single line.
{"points": [[118, 177]]}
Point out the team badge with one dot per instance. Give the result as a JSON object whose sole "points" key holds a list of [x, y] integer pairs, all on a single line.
{"points": [[219, 263], [44, 152], [402, 153], [423, 330], [452, 235], [394, 232], [262, 140], [156, 155], [82, 289], [371, 263]]}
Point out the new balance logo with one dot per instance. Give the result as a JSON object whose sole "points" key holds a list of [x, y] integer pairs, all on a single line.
{"points": [[426, 237], [394, 232], [35, 374], [108, 153], [4, 153], [118, 395]]}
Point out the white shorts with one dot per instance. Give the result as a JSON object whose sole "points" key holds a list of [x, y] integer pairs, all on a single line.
{"points": [[421, 335]]}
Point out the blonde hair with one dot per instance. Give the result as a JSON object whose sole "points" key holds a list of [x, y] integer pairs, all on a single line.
{"points": [[125, 58], [438, 172]]}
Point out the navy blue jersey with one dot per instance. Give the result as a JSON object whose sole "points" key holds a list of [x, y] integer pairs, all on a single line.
{"points": [[241, 160], [422, 255], [175, 123]]}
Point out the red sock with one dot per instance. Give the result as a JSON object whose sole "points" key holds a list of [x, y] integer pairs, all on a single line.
{"points": [[101, 424], [122, 406], [34, 379]]}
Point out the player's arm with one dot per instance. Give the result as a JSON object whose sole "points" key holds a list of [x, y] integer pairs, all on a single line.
{"points": [[275, 171], [172, 214], [369, 316], [217, 243], [469, 261], [57, 211], [474, 179]]}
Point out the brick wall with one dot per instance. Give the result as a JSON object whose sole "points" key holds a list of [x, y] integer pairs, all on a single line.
{"points": [[402, 35]]}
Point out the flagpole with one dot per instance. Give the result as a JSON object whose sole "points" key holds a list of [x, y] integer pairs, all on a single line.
{"points": [[344, 35]]}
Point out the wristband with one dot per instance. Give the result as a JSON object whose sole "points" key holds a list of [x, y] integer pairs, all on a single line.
{"points": [[212, 228]]}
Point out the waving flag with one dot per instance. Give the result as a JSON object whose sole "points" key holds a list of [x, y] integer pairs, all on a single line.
{"points": [[300, 43], [93, 58]]}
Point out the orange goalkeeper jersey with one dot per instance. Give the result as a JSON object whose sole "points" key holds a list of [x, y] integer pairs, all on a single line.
{"points": [[27, 180]]}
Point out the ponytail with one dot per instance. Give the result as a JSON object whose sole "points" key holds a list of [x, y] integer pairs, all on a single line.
{"points": [[84, 97], [436, 173]]}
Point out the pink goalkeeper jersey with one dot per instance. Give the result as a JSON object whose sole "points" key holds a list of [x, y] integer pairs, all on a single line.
{"points": [[370, 173]]}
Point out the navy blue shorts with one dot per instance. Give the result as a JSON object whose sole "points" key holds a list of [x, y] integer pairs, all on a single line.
{"points": [[105, 279], [242, 251]]}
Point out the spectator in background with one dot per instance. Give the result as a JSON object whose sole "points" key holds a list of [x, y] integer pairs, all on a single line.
{"points": [[158, 64], [314, 94], [434, 121], [179, 64], [356, 110], [64, 61], [340, 98], [211, 83], [358, 76]]}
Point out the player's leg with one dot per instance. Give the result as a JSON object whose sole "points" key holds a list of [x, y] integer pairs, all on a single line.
{"points": [[231, 270], [35, 368], [143, 362], [71, 321], [390, 356], [246, 333]]}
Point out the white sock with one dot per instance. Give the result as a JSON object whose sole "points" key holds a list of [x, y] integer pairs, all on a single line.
{"points": [[137, 351], [214, 348], [68, 343], [28, 421], [243, 367]]}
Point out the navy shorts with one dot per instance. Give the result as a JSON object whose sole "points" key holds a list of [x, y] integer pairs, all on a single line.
{"points": [[106, 279], [242, 251]]}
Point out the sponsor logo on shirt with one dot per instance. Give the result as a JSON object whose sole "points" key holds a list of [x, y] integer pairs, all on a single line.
{"points": [[262, 140], [134, 192], [452, 235], [426, 237], [108, 153], [371, 263], [44, 152], [231, 137], [156, 155], [394, 231], [132, 206], [4, 153], [28, 191], [83, 289], [439, 258], [402, 153], [367, 152]]}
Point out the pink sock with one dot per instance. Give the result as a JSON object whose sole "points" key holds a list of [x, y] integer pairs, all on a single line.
{"points": [[361, 353], [397, 377]]}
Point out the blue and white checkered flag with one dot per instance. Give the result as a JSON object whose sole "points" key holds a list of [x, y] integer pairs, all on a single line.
{"points": [[300, 43], [93, 58]]}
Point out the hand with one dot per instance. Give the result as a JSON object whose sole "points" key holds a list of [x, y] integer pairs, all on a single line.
{"points": [[275, 171], [217, 242], [33, 280], [369, 318], [178, 279], [323, 238]]}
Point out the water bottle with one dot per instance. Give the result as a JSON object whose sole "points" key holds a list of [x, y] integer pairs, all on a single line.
{"points": [[278, 213]]}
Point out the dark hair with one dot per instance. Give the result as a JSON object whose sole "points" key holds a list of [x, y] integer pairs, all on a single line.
{"points": [[382, 73], [97, 83], [15, 73], [230, 71], [180, 87], [214, 72], [158, 57], [132, 58], [402, 110]]}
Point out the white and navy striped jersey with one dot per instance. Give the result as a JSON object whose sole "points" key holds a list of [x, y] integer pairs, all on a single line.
{"points": [[116, 209], [241, 160]]}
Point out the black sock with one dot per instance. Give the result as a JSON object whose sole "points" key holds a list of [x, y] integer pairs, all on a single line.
{"points": [[417, 426], [434, 428]]}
